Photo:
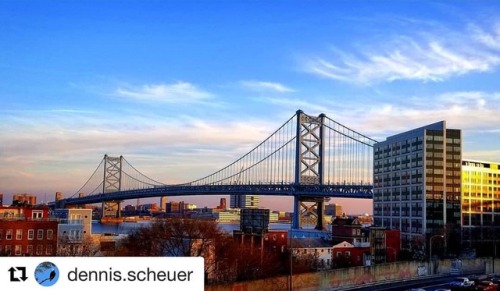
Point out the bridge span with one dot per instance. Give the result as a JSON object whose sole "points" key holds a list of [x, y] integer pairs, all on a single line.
{"points": [[309, 158]]}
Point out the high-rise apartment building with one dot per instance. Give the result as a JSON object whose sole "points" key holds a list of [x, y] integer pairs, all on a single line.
{"points": [[417, 186], [480, 206], [244, 201]]}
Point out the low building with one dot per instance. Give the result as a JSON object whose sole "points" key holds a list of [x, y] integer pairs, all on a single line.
{"points": [[311, 253], [274, 241], [348, 255], [349, 229], [227, 216], [385, 244], [75, 225], [27, 231]]}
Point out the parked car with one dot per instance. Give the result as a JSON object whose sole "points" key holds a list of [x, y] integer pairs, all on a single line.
{"points": [[461, 283], [494, 278], [478, 278], [486, 286]]}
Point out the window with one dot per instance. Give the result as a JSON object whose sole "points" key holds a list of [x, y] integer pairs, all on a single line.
{"points": [[48, 250], [348, 254], [29, 250], [75, 234], [50, 234], [339, 254], [39, 234], [39, 249], [18, 250], [1, 234], [8, 250], [8, 234], [31, 234], [19, 234], [37, 214]]}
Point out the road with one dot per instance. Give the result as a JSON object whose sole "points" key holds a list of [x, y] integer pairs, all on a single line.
{"points": [[429, 284]]}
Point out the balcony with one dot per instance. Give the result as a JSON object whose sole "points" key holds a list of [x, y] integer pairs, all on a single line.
{"points": [[71, 221], [361, 244]]}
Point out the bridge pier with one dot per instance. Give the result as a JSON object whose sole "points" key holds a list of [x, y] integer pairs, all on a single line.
{"points": [[112, 183], [312, 214], [111, 209]]}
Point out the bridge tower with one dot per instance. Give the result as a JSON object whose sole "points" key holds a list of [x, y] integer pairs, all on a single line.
{"points": [[112, 183], [309, 169]]}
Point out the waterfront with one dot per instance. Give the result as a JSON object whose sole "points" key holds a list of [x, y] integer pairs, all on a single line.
{"points": [[126, 227]]}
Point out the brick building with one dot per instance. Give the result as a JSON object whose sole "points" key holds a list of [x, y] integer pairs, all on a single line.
{"points": [[346, 254], [27, 231]]}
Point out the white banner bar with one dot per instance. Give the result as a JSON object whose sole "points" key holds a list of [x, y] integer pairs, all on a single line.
{"points": [[101, 273]]}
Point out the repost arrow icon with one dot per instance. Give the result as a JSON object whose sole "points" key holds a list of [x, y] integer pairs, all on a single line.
{"points": [[23, 270], [12, 272], [13, 278]]}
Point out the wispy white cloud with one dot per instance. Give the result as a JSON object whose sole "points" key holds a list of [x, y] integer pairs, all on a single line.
{"points": [[179, 92], [292, 104], [419, 56], [490, 38], [473, 111], [266, 86], [59, 149]]}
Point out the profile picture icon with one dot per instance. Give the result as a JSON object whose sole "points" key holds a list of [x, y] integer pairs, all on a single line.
{"points": [[46, 274]]}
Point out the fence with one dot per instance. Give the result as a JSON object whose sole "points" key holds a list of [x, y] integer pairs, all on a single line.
{"points": [[359, 276]]}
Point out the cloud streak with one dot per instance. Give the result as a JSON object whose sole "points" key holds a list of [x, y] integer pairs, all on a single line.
{"points": [[424, 57], [473, 111], [179, 92], [61, 148], [266, 86]]}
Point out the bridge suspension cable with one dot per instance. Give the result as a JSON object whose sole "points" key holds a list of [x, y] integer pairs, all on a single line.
{"points": [[343, 157], [136, 179], [270, 162], [348, 157]]}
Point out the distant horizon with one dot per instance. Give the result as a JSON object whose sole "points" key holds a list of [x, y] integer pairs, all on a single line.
{"points": [[153, 200]]}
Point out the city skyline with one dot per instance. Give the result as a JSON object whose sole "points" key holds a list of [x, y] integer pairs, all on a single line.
{"points": [[184, 88]]}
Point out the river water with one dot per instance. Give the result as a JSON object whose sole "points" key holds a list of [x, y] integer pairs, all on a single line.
{"points": [[126, 227]]}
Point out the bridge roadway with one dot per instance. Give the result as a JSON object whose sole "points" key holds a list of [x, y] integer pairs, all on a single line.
{"points": [[291, 190]]}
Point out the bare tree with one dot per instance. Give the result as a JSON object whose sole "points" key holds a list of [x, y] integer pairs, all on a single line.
{"points": [[86, 247], [175, 237], [226, 260]]}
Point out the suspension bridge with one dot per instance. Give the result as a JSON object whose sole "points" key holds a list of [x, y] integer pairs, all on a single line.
{"points": [[309, 158]]}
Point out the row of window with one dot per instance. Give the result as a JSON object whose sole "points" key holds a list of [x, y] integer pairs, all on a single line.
{"points": [[305, 251], [19, 250], [404, 224], [476, 219], [483, 195], [9, 234]]}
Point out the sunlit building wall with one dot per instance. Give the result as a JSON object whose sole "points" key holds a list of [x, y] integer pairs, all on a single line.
{"points": [[480, 206]]}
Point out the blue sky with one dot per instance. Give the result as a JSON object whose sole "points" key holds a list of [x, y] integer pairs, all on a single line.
{"points": [[182, 88]]}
